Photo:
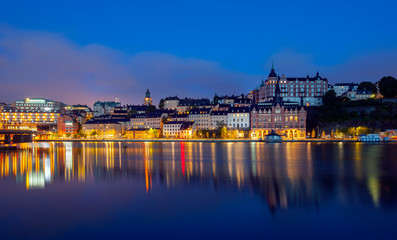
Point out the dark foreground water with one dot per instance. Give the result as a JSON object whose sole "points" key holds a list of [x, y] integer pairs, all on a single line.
{"points": [[199, 191]]}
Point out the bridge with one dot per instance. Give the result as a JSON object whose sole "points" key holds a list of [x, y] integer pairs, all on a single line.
{"points": [[8, 136]]}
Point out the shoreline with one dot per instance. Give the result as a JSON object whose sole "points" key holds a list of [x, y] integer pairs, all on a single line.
{"points": [[190, 140]]}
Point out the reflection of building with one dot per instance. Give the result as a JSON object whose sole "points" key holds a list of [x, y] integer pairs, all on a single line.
{"points": [[148, 99], [284, 177]]}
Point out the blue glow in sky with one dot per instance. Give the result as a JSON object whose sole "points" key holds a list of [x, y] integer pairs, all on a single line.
{"points": [[345, 40]]}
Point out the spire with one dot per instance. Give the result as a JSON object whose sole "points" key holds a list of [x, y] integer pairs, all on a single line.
{"points": [[272, 65]]}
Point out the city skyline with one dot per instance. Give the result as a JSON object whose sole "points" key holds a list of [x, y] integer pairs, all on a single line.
{"points": [[218, 48]]}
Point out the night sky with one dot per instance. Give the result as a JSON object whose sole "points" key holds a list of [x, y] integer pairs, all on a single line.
{"points": [[80, 51]]}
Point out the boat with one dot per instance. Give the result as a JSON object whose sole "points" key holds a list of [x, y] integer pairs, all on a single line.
{"points": [[369, 138], [272, 137]]}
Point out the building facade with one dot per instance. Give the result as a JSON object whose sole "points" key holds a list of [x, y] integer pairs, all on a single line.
{"points": [[172, 129], [308, 90], [201, 117], [218, 120], [104, 108], [32, 114], [238, 118], [68, 124], [104, 128], [283, 117]]}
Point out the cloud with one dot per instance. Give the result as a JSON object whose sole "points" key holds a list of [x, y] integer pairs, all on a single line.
{"points": [[42, 64]]}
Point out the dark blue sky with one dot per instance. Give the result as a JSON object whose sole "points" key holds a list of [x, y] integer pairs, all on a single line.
{"points": [[231, 41]]}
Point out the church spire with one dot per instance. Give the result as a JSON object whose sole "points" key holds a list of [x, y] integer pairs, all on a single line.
{"points": [[272, 65]]}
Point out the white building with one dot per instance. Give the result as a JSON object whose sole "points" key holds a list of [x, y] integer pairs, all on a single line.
{"points": [[342, 88], [103, 108], [218, 119], [171, 103], [201, 117], [238, 118], [172, 129]]}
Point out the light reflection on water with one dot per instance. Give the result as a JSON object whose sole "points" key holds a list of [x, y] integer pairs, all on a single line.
{"points": [[283, 176]]}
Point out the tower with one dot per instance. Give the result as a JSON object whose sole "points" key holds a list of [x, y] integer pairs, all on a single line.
{"points": [[148, 99]]}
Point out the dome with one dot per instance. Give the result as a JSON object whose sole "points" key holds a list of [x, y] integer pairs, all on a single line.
{"points": [[272, 74]]}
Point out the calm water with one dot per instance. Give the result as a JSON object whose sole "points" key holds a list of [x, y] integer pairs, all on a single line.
{"points": [[199, 191]]}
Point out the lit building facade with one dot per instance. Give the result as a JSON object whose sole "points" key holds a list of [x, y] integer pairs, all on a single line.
{"points": [[309, 90], [68, 124], [218, 119], [104, 108], [105, 128], [201, 117], [283, 117], [172, 129], [238, 118], [171, 103], [32, 114]]}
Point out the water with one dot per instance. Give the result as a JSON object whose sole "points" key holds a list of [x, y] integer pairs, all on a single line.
{"points": [[199, 191]]}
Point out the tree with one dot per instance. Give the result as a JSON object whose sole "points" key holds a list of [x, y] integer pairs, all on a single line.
{"points": [[131, 112], [216, 99], [93, 133], [323, 134], [330, 98], [150, 109], [68, 135], [332, 134], [313, 133], [388, 87], [369, 86], [220, 125], [161, 103]]}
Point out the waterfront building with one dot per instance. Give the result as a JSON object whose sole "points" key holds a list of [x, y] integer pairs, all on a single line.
{"points": [[104, 128], [68, 124], [148, 99], [306, 90], [342, 88], [201, 117], [218, 119], [238, 118], [32, 114], [283, 117], [104, 108], [142, 133], [172, 129], [187, 129]]}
